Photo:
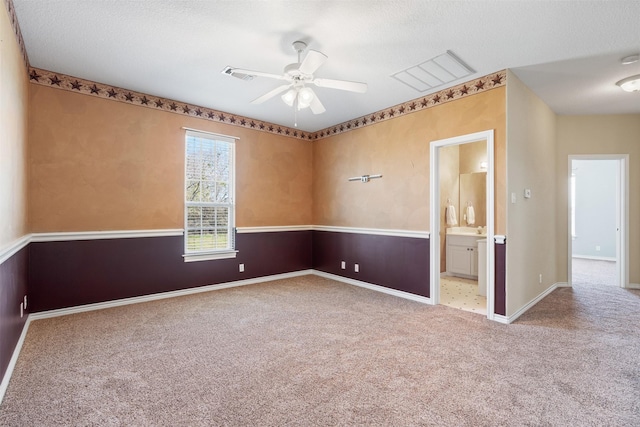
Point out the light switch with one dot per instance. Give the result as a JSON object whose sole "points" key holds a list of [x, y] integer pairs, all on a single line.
{"points": [[513, 197]]}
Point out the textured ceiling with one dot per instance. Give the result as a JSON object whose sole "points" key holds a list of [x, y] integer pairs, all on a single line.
{"points": [[568, 52]]}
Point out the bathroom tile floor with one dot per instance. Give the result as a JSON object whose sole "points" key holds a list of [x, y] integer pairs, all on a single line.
{"points": [[462, 294]]}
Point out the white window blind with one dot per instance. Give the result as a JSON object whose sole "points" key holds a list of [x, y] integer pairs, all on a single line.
{"points": [[209, 193]]}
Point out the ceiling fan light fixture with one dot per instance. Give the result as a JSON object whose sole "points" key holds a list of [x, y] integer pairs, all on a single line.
{"points": [[305, 97], [630, 84], [289, 96]]}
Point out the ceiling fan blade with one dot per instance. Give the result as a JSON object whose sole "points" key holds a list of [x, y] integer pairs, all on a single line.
{"points": [[341, 84], [270, 94], [312, 62], [231, 71], [316, 106]]}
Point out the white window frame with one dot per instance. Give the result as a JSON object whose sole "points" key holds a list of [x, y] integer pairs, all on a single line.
{"points": [[190, 256]]}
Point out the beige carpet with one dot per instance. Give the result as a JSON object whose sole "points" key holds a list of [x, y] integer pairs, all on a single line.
{"points": [[593, 272], [310, 351]]}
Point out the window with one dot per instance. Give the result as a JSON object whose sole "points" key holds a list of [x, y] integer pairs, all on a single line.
{"points": [[209, 196]]}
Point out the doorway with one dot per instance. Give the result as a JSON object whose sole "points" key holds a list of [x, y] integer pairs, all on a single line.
{"points": [[598, 215], [437, 212]]}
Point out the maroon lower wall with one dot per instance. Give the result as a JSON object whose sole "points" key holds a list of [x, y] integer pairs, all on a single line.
{"points": [[400, 263], [13, 288], [71, 273], [500, 300]]}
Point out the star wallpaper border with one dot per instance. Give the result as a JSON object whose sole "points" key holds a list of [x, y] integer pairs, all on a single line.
{"points": [[87, 87]]}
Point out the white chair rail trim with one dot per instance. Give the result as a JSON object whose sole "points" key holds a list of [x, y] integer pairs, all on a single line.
{"points": [[98, 235], [273, 229], [376, 231], [14, 247]]}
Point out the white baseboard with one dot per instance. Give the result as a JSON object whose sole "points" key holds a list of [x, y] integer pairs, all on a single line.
{"points": [[14, 359], [378, 288], [526, 307], [563, 285], [501, 319], [163, 295], [633, 286]]}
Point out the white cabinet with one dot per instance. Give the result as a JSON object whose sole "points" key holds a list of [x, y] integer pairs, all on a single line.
{"points": [[462, 255]]}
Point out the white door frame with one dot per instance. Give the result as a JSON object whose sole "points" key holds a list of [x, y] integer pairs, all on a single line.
{"points": [[622, 215], [434, 203]]}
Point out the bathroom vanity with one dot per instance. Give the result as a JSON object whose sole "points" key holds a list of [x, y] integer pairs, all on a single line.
{"points": [[462, 251]]}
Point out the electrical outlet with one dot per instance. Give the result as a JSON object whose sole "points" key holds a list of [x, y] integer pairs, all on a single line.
{"points": [[356, 268], [343, 265], [527, 193], [241, 268], [540, 279], [24, 302], [597, 248], [21, 310]]}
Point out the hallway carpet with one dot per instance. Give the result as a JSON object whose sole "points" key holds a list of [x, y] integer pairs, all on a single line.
{"points": [[593, 272], [310, 351]]}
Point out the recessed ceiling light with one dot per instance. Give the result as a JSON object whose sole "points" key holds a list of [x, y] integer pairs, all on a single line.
{"points": [[630, 84]]}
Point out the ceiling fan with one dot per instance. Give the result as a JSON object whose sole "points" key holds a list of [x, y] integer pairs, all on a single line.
{"points": [[298, 76]]}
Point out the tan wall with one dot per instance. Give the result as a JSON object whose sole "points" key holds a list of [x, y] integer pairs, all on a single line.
{"points": [[399, 149], [97, 164], [531, 227], [611, 134], [471, 155], [13, 135]]}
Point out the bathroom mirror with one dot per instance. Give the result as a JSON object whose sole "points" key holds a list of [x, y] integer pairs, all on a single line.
{"points": [[473, 189]]}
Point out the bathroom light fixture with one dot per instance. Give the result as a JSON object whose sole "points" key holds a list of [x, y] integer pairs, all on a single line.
{"points": [[630, 84]]}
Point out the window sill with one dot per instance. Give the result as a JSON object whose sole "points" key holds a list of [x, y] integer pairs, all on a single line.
{"points": [[207, 256]]}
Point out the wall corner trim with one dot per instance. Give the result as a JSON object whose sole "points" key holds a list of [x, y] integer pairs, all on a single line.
{"points": [[13, 248], [500, 239]]}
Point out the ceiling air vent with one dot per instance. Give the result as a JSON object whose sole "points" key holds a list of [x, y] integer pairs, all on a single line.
{"points": [[230, 71], [434, 72]]}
